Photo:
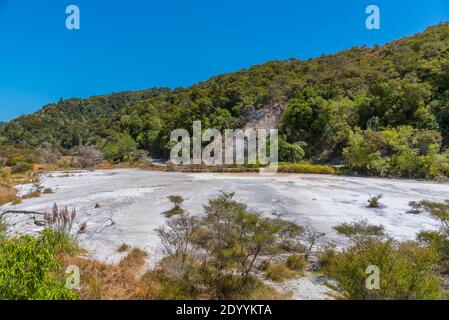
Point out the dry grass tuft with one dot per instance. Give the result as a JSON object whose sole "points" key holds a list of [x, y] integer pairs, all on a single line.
{"points": [[123, 248], [47, 191], [33, 194], [100, 281], [136, 258], [8, 195]]}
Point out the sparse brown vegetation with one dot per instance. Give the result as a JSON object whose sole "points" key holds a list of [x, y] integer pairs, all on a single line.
{"points": [[123, 248], [32, 194], [8, 195], [374, 202], [177, 209], [296, 263], [47, 191], [279, 272]]}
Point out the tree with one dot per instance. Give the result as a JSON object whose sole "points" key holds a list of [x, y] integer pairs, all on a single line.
{"points": [[293, 152], [224, 245], [119, 148]]}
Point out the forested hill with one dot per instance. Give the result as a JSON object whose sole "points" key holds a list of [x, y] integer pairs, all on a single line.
{"points": [[329, 102]]}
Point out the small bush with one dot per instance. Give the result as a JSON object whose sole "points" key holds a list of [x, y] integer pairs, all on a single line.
{"points": [[3, 230], [264, 265], [305, 168], [374, 202], [59, 242], [296, 263], [27, 267], [360, 230], [21, 167], [32, 194], [123, 248], [97, 206], [177, 209], [47, 191], [135, 258], [278, 272], [407, 271]]}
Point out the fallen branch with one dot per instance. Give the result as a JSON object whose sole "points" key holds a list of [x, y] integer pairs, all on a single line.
{"points": [[20, 212]]}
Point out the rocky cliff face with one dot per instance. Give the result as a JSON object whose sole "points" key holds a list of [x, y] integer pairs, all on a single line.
{"points": [[266, 118]]}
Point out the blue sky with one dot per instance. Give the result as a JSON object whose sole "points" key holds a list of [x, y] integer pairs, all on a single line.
{"points": [[137, 44]]}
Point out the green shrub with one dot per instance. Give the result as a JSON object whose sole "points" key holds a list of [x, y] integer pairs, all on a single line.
{"points": [[401, 151], [119, 148], [407, 271], [59, 242], [306, 168], [296, 263], [27, 270], [439, 240], [360, 230]]}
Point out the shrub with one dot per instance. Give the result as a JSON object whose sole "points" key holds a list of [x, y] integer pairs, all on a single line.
{"points": [[59, 226], [439, 240], [296, 263], [21, 167], [407, 271], [89, 156], [360, 230], [135, 258], [401, 151], [59, 242], [47, 191], [176, 210], [119, 148], [374, 202], [306, 168], [27, 267], [278, 272], [216, 254], [123, 248]]}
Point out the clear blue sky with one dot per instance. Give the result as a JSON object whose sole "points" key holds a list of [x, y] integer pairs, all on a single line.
{"points": [[137, 44]]}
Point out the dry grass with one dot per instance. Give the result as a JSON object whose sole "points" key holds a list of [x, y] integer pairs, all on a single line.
{"points": [[47, 191], [294, 267], [8, 195], [8, 180], [135, 259], [123, 248], [32, 194], [100, 281]]}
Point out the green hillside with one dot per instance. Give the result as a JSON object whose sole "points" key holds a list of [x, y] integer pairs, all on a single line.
{"points": [[381, 110]]}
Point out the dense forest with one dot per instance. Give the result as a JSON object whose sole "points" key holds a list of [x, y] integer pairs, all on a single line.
{"points": [[380, 111]]}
